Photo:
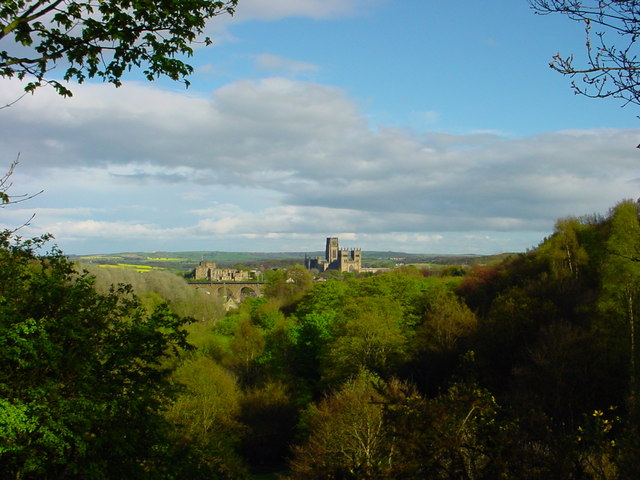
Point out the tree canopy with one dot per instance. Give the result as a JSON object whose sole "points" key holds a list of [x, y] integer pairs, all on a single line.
{"points": [[101, 39], [82, 384], [526, 369]]}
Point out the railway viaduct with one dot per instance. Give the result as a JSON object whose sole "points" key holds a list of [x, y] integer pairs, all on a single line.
{"points": [[230, 290]]}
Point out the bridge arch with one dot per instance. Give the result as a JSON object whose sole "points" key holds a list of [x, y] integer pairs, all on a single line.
{"points": [[248, 292], [231, 290]]}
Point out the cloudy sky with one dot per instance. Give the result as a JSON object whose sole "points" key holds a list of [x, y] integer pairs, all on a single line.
{"points": [[413, 125]]}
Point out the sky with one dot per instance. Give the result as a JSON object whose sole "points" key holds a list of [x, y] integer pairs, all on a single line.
{"points": [[407, 125]]}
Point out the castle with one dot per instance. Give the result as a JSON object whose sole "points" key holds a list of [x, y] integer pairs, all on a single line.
{"points": [[344, 260], [209, 271]]}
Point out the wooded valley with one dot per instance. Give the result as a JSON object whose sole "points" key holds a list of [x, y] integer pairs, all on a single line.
{"points": [[527, 369]]}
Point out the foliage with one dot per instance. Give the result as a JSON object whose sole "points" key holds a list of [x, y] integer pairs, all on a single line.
{"points": [[279, 357], [205, 420], [347, 437], [82, 386], [247, 344], [447, 320], [460, 434], [621, 285], [287, 286], [496, 374], [157, 287], [368, 336], [551, 378], [270, 416], [103, 39], [564, 251], [313, 337], [325, 296]]}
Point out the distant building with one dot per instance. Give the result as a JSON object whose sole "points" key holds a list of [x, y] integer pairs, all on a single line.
{"points": [[209, 271], [344, 260]]}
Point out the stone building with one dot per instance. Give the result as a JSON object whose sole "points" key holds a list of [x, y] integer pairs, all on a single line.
{"points": [[344, 260], [209, 271]]}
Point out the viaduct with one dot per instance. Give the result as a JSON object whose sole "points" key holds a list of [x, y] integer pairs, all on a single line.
{"points": [[230, 291]]}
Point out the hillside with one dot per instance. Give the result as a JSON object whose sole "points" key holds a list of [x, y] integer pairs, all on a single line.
{"points": [[184, 261]]}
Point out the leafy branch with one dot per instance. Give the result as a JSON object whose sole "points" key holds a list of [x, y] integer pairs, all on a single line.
{"points": [[102, 40]]}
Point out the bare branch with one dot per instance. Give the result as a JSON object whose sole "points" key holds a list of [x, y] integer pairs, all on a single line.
{"points": [[6, 184], [611, 67], [14, 102]]}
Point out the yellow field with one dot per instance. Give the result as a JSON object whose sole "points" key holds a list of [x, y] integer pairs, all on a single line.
{"points": [[139, 268]]}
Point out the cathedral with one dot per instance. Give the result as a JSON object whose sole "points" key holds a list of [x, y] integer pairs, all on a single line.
{"points": [[344, 260]]}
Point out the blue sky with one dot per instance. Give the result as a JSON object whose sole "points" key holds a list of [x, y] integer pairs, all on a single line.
{"points": [[415, 125]]}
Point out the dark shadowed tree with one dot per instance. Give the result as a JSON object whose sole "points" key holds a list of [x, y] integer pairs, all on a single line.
{"points": [[347, 437], [269, 415]]}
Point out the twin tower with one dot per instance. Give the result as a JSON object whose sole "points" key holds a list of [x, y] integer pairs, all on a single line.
{"points": [[344, 260]]}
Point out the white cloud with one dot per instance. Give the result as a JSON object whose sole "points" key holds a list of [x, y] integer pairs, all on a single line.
{"points": [[273, 10], [282, 158], [274, 63], [317, 9]]}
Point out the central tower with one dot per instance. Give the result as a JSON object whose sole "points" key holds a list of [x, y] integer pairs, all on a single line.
{"points": [[331, 252], [335, 258]]}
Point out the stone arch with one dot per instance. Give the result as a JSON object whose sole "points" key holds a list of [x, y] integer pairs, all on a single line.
{"points": [[248, 292]]}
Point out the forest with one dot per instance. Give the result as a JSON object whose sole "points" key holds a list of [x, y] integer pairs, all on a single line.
{"points": [[526, 369], [523, 369]]}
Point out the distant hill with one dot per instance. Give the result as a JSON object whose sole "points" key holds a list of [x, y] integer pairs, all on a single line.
{"points": [[181, 262]]}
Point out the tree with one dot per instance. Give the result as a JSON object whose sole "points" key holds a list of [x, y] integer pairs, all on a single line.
{"points": [[101, 39], [347, 436], [612, 68], [447, 320], [621, 284], [552, 379], [82, 384], [461, 434], [246, 345], [270, 416], [368, 335], [285, 287], [314, 334], [324, 297], [204, 416], [566, 255]]}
